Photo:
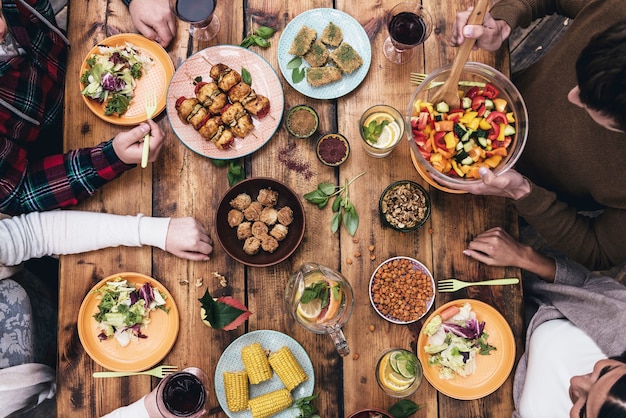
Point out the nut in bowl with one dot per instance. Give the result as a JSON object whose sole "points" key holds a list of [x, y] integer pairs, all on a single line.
{"points": [[404, 205], [402, 290], [488, 129], [260, 222]]}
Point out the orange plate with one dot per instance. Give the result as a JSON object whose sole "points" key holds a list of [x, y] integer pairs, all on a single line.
{"points": [[422, 172], [265, 81], [138, 355], [491, 371], [154, 79]]}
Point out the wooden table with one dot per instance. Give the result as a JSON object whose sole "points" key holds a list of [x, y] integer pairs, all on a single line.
{"points": [[176, 185]]}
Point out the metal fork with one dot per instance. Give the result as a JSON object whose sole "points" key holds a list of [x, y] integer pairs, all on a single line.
{"points": [[418, 78], [151, 106], [452, 285], [160, 371]]}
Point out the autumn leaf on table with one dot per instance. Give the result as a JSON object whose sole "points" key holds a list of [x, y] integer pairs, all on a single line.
{"points": [[224, 312]]}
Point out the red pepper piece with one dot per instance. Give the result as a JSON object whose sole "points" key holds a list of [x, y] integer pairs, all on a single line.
{"points": [[422, 120], [477, 101], [481, 110], [473, 91], [179, 101], [439, 141], [490, 91], [494, 131], [497, 117], [198, 86]]}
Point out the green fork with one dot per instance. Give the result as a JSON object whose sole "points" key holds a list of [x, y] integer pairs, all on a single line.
{"points": [[160, 371], [151, 106], [452, 285]]}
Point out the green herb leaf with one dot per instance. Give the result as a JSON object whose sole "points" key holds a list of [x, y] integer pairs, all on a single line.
{"points": [[404, 408], [246, 76], [219, 163], [297, 75], [373, 130], [351, 221], [317, 197], [337, 203], [265, 32], [307, 409], [259, 41], [327, 188], [335, 222], [294, 63], [220, 314], [236, 172]]}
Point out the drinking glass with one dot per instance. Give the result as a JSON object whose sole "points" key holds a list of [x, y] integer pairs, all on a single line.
{"points": [[321, 300], [183, 394], [199, 13], [409, 25], [381, 127]]}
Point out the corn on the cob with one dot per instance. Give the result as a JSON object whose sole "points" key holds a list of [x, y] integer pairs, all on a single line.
{"points": [[237, 391], [266, 405], [287, 368], [256, 364]]}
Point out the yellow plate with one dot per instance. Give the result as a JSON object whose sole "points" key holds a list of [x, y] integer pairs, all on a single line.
{"points": [[422, 172], [491, 371], [155, 79], [138, 355]]}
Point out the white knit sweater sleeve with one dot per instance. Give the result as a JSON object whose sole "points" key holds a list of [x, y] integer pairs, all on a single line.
{"points": [[61, 232]]}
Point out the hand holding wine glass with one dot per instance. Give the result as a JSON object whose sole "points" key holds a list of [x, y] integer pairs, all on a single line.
{"points": [[200, 14], [409, 25]]}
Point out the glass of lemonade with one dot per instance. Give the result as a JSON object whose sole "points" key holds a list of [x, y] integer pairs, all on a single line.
{"points": [[381, 127], [399, 372], [321, 300]]}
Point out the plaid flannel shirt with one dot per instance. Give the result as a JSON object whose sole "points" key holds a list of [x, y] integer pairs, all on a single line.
{"points": [[33, 84]]}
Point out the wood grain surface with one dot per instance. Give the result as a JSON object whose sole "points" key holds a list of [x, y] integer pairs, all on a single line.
{"points": [[183, 183]]}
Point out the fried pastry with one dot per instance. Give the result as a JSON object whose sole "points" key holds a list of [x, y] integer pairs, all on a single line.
{"points": [[303, 40], [259, 229], [269, 244], [244, 230], [252, 245], [253, 211], [279, 231], [269, 216], [317, 54], [319, 76], [241, 201], [346, 58], [235, 217], [332, 35], [285, 215]]}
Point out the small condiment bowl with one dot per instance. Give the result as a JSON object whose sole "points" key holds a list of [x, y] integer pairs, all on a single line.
{"points": [[404, 206], [302, 121], [419, 295], [369, 413], [332, 149]]}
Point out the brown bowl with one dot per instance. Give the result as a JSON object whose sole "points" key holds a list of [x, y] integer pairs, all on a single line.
{"points": [[369, 413], [227, 235], [332, 149]]}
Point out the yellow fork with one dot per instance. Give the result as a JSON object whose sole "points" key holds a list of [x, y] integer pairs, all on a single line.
{"points": [[151, 105]]}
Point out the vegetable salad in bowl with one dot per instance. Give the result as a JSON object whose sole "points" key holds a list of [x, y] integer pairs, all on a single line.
{"points": [[455, 337], [112, 76], [124, 310]]}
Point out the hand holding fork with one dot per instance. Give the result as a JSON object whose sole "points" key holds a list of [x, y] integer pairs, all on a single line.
{"points": [[151, 105]]}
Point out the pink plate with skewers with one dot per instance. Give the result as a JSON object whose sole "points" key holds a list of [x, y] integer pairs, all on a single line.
{"points": [[197, 68]]}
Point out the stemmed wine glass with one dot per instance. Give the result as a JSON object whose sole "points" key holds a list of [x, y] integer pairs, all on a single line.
{"points": [[199, 13], [409, 25]]}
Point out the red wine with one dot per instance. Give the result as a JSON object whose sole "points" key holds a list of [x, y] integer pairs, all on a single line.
{"points": [[195, 10], [183, 394], [407, 28]]}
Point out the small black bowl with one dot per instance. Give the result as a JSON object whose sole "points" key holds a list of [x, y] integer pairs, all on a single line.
{"points": [[332, 149], [298, 117], [412, 200]]}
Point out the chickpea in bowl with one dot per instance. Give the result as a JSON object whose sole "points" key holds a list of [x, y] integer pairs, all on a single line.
{"points": [[402, 290]]}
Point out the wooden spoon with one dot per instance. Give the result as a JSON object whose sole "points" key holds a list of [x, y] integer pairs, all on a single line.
{"points": [[449, 91]]}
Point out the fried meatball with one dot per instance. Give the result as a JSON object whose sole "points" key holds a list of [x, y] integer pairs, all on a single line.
{"points": [[285, 215], [269, 244], [244, 230], [252, 245], [269, 215], [279, 231], [253, 211], [241, 201], [259, 229], [267, 197], [235, 217]]}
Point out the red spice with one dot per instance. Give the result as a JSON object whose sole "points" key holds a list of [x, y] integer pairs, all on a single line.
{"points": [[288, 157], [332, 149]]}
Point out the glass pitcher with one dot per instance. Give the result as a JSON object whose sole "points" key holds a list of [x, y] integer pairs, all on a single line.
{"points": [[321, 300]]}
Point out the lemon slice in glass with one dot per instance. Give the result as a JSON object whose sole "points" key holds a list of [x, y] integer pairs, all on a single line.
{"points": [[310, 311], [390, 132]]}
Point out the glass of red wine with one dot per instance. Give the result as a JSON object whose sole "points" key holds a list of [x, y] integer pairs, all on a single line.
{"points": [[204, 24], [183, 394], [409, 25]]}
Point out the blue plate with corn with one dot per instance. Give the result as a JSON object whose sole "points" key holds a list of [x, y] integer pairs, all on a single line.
{"points": [[262, 374]]}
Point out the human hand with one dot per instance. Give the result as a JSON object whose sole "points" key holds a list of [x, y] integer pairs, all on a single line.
{"points": [[154, 19], [188, 238], [489, 36], [495, 247], [510, 184], [129, 145]]}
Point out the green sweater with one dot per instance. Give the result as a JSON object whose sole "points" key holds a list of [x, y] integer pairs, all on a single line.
{"points": [[567, 152]]}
